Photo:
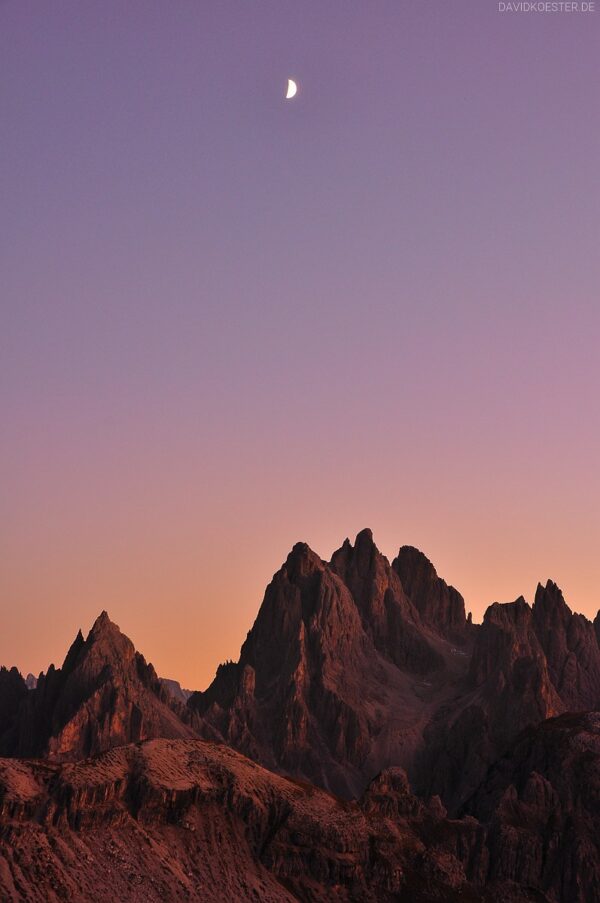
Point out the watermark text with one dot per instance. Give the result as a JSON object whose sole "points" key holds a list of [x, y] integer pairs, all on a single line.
{"points": [[547, 6]]}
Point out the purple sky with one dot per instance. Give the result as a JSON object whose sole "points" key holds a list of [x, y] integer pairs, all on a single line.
{"points": [[230, 322]]}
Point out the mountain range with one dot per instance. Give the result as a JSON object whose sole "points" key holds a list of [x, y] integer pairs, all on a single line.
{"points": [[370, 743]]}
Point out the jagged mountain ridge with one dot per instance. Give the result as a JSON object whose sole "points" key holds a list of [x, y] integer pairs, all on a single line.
{"points": [[351, 666], [331, 681], [104, 695], [343, 674]]}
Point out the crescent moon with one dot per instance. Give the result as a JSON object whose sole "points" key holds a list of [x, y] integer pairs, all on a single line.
{"points": [[292, 87]]}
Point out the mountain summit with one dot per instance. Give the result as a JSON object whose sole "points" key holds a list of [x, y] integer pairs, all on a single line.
{"points": [[355, 665], [339, 675], [104, 695]]}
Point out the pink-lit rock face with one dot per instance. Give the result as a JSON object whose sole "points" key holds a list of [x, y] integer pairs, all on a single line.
{"points": [[104, 695]]}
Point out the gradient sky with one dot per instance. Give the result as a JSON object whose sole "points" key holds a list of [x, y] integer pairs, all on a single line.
{"points": [[231, 322]]}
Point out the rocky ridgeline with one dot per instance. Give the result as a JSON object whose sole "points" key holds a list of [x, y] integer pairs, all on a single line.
{"points": [[360, 677]]}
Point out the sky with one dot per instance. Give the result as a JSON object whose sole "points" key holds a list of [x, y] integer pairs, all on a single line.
{"points": [[230, 322]]}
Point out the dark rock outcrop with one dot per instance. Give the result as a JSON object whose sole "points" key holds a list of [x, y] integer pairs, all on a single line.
{"points": [[440, 606], [508, 687], [387, 615], [179, 693], [571, 648], [13, 691], [510, 669], [541, 804]]}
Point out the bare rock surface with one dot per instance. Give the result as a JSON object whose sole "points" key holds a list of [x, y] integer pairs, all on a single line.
{"points": [[175, 820], [541, 804], [356, 665], [338, 677], [571, 648], [440, 606]]}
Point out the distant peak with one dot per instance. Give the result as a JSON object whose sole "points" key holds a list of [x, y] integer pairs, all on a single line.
{"points": [[551, 592], [362, 559], [105, 631], [551, 588], [302, 561], [549, 599], [365, 536], [300, 548], [73, 653], [364, 544], [410, 554], [508, 613], [102, 623]]}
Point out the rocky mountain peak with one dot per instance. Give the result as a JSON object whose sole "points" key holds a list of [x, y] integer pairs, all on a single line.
{"points": [[364, 545], [332, 647], [509, 660], [102, 622], [106, 654], [302, 562], [571, 648], [388, 617], [106, 631], [506, 636], [440, 606], [550, 602], [104, 695]]}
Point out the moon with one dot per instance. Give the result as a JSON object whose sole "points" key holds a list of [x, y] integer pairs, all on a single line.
{"points": [[292, 87]]}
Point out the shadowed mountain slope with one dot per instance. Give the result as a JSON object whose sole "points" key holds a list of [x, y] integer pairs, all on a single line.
{"points": [[541, 804], [508, 687]]}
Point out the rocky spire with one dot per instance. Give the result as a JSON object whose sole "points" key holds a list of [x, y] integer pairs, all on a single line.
{"points": [[440, 606], [104, 695], [571, 648], [388, 616]]}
